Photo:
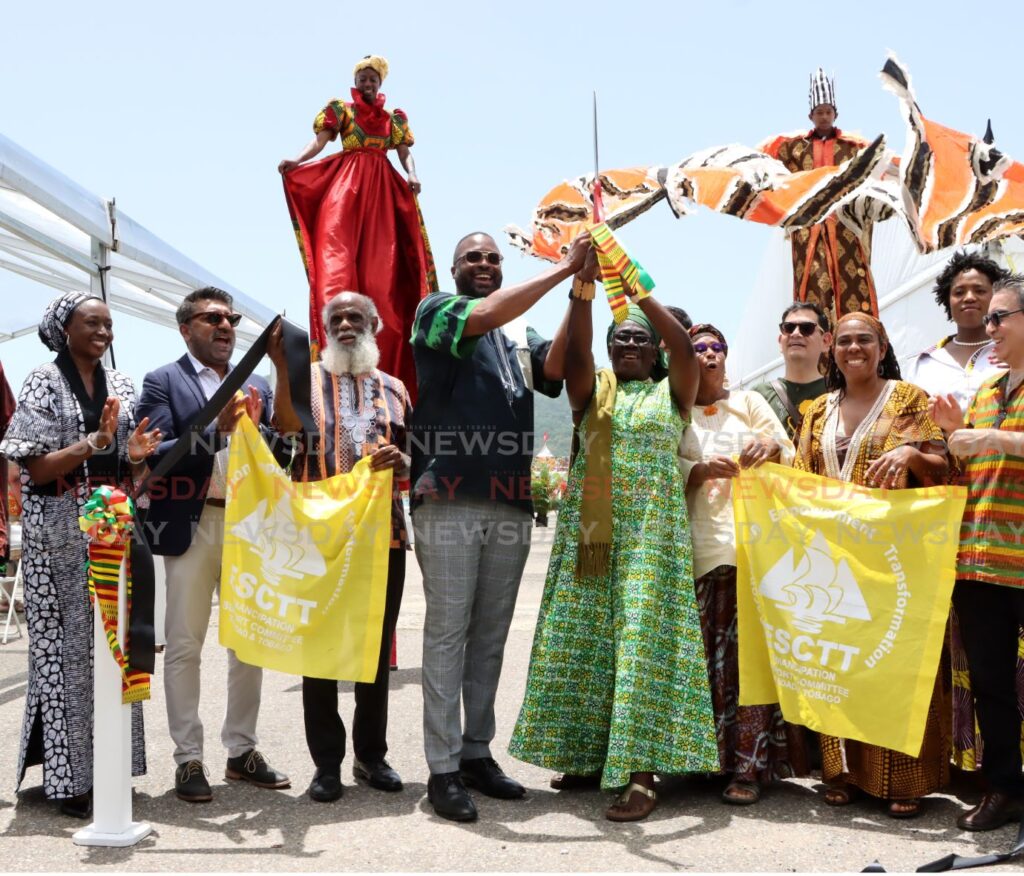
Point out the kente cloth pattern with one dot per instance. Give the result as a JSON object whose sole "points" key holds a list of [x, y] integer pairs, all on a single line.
{"points": [[58, 616], [567, 210], [990, 537], [103, 573], [360, 229], [335, 449], [831, 262], [881, 772], [957, 189], [623, 278], [618, 674], [754, 743], [968, 748]]}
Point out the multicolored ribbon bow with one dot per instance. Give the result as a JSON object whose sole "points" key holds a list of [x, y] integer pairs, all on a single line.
{"points": [[623, 278], [108, 519]]}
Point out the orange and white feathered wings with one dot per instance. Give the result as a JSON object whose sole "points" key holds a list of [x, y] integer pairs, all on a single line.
{"points": [[566, 210], [956, 188], [751, 185]]}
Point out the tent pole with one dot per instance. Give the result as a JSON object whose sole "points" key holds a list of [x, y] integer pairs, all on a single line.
{"points": [[98, 286]]}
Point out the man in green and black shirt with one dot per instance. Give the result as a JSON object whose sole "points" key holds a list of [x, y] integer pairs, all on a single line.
{"points": [[471, 438], [804, 339]]}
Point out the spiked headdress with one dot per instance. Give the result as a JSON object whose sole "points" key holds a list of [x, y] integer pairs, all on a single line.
{"points": [[822, 90]]}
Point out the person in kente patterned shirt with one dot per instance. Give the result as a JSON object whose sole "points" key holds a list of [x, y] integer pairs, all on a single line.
{"points": [[989, 593]]}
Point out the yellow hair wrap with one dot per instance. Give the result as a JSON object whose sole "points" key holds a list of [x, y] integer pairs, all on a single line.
{"points": [[374, 62]]}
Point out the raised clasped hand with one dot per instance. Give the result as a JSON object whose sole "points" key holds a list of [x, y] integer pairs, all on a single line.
{"points": [[576, 257]]}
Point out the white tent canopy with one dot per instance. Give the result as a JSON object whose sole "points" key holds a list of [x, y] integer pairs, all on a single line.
{"points": [[904, 280], [54, 232]]}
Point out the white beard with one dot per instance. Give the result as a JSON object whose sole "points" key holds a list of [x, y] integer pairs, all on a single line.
{"points": [[359, 358]]}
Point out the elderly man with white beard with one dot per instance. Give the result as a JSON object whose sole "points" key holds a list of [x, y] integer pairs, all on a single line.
{"points": [[359, 412]]}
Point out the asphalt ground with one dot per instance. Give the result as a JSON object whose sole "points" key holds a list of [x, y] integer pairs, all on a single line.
{"points": [[246, 829]]}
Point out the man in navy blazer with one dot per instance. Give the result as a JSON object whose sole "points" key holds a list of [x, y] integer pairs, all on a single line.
{"points": [[186, 526]]}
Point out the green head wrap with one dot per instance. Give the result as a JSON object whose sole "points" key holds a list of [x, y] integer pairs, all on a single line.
{"points": [[635, 314]]}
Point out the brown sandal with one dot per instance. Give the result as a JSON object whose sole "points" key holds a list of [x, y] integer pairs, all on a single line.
{"points": [[635, 804], [838, 795], [742, 793], [905, 808]]}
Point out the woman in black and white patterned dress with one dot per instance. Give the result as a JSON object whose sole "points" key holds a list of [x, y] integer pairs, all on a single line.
{"points": [[73, 430]]}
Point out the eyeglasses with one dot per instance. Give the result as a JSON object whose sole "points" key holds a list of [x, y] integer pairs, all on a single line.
{"points": [[996, 317], [475, 256], [215, 319], [714, 347], [639, 339], [805, 328]]}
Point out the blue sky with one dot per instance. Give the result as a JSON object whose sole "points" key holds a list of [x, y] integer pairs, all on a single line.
{"points": [[183, 110]]}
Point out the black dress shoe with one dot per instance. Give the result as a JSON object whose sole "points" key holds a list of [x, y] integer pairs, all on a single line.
{"points": [[993, 811], [77, 807], [253, 767], [326, 785], [485, 775], [378, 774], [190, 783], [450, 798]]}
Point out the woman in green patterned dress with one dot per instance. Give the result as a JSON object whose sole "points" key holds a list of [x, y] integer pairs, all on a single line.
{"points": [[618, 685]]}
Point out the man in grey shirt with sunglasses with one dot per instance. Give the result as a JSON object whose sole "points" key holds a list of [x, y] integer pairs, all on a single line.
{"points": [[804, 340]]}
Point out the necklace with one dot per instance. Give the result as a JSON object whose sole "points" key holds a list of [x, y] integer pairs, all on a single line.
{"points": [[953, 340], [356, 422], [830, 431]]}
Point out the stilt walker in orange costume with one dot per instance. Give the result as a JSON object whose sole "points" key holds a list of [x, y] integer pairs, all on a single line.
{"points": [[831, 264]]}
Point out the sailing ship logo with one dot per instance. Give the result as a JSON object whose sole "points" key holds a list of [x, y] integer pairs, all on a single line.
{"points": [[284, 547], [817, 589]]}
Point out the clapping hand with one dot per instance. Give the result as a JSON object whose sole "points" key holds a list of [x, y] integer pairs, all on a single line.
{"points": [[108, 422], [945, 413], [141, 443]]}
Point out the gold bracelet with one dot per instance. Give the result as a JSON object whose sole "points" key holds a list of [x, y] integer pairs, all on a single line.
{"points": [[581, 290]]}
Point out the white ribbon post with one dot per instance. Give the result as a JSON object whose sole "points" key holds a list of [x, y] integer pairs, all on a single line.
{"points": [[111, 744]]}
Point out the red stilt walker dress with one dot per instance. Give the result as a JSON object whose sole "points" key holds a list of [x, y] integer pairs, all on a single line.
{"points": [[359, 226]]}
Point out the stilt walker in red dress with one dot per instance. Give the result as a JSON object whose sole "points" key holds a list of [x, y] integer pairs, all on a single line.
{"points": [[358, 223]]}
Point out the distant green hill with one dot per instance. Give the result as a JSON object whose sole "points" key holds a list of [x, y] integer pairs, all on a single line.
{"points": [[552, 415]]}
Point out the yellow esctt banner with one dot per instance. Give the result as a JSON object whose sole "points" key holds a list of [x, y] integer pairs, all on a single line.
{"points": [[843, 594], [305, 566]]}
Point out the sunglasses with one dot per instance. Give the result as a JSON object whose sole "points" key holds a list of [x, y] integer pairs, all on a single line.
{"points": [[714, 347], [805, 328], [215, 319], [996, 317], [639, 339], [475, 256]]}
